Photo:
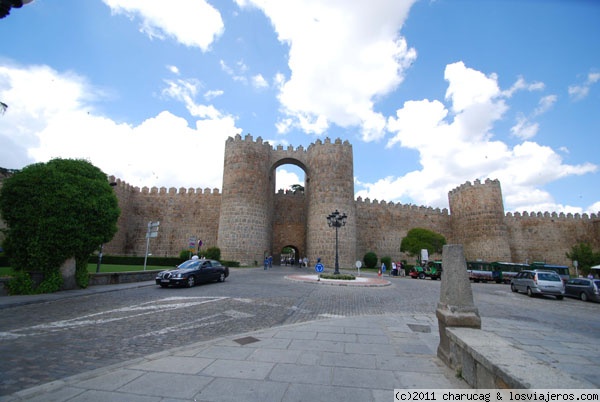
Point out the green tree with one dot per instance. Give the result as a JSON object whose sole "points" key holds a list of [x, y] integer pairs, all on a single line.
{"points": [[418, 238], [212, 253], [297, 188], [54, 211], [370, 259], [585, 257]]}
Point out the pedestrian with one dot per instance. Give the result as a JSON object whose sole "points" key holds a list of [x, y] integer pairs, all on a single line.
{"points": [[270, 261], [266, 263]]}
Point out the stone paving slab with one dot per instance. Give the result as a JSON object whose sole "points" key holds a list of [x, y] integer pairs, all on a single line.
{"points": [[288, 363]]}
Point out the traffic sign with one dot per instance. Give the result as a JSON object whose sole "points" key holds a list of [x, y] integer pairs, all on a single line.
{"points": [[319, 267]]}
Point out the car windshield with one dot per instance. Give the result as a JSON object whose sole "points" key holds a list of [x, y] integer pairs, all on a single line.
{"points": [[597, 282], [543, 276], [189, 264]]}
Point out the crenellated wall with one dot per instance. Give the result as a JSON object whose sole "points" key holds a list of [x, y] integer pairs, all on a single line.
{"points": [[182, 213], [382, 226], [249, 220]]}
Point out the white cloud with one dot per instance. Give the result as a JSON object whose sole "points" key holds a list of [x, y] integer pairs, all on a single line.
{"points": [[173, 69], [258, 81], [459, 147], [51, 115], [342, 56], [522, 85], [578, 92], [286, 178], [193, 23], [545, 104], [524, 129]]}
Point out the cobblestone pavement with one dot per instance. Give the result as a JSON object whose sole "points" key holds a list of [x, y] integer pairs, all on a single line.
{"points": [[47, 341]]}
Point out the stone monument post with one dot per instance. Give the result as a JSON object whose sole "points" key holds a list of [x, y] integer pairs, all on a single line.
{"points": [[456, 307]]}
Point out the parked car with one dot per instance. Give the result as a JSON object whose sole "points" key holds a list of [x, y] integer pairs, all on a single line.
{"points": [[538, 282], [192, 272], [583, 288]]}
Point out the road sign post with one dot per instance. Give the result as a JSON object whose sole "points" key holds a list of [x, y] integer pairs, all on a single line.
{"points": [[151, 232]]}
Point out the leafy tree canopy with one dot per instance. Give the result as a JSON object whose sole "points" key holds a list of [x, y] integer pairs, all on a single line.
{"points": [[418, 238], [54, 211], [297, 188], [584, 255]]}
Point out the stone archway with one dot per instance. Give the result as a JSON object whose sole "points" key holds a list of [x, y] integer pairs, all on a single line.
{"points": [[289, 215], [289, 258]]}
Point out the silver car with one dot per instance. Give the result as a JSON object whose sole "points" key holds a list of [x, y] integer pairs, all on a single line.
{"points": [[538, 282]]}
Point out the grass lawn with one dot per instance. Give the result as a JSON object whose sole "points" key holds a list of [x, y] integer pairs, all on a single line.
{"points": [[7, 271]]}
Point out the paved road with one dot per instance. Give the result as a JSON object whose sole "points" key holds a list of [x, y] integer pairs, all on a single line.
{"points": [[43, 342]]}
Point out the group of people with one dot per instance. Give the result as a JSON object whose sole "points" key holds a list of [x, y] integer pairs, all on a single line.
{"points": [[397, 269], [292, 261]]}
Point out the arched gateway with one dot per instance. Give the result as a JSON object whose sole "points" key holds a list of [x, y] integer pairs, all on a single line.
{"points": [[254, 220]]}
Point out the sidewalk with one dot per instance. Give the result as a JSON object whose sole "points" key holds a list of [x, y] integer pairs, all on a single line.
{"points": [[356, 358], [339, 359]]}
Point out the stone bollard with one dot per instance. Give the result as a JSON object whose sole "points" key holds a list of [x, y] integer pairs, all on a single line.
{"points": [[456, 307], [67, 271]]}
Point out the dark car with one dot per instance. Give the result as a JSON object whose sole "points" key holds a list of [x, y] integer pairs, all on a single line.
{"points": [[192, 272], [583, 288]]}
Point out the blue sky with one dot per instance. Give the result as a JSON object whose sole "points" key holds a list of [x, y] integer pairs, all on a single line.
{"points": [[431, 94]]}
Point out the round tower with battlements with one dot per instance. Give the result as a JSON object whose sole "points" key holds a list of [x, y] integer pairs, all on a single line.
{"points": [[245, 222], [330, 187], [477, 220]]}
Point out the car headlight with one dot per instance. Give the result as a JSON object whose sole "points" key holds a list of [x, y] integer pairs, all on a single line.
{"points": [[178, 276]]}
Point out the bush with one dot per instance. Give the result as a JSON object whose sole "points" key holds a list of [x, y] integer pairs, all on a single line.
{"points": [[212, 253], [184, 255], [387, 261], [138, 260], [20, 284], [340, 277], [370, 259]]}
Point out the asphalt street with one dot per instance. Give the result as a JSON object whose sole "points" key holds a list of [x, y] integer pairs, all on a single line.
{"points": [[46, 341]]}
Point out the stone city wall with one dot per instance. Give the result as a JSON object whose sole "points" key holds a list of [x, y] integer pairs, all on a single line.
{"points": [[249, 219], [182, 213], [382, 226]]}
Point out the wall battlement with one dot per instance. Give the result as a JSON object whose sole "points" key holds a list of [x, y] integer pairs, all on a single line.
{"points": [[551, 216], [407, 207], [248, 222], [163, 190]]}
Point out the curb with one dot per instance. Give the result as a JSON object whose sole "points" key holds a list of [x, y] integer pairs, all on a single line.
{"points": [[363, 282]]}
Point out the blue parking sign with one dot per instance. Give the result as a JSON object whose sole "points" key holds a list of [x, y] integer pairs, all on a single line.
{"points": [[319, 267]]}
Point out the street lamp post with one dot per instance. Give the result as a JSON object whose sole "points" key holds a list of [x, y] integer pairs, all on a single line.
{"points": [[336, 220]]}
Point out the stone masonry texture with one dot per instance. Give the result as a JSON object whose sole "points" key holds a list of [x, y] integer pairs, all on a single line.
{"points": [[249, 220]]}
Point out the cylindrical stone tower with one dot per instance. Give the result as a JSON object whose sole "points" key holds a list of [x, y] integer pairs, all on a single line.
{"points": [[330, 187], [477, 216], [245, 224]]}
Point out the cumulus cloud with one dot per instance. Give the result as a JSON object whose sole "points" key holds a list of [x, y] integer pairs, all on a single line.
{"points": [[342, 55], [455, 144], [52, 114], [193, 23]]}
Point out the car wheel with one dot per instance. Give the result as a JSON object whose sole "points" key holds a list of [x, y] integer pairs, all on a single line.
{"points": [[513, 287], [191, 281], [222, 277], [583, 296], [529, 292], [559, 297], [421, 275]]}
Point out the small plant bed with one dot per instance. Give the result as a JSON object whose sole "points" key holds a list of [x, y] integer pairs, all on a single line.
{"points": [[339, 277]]}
